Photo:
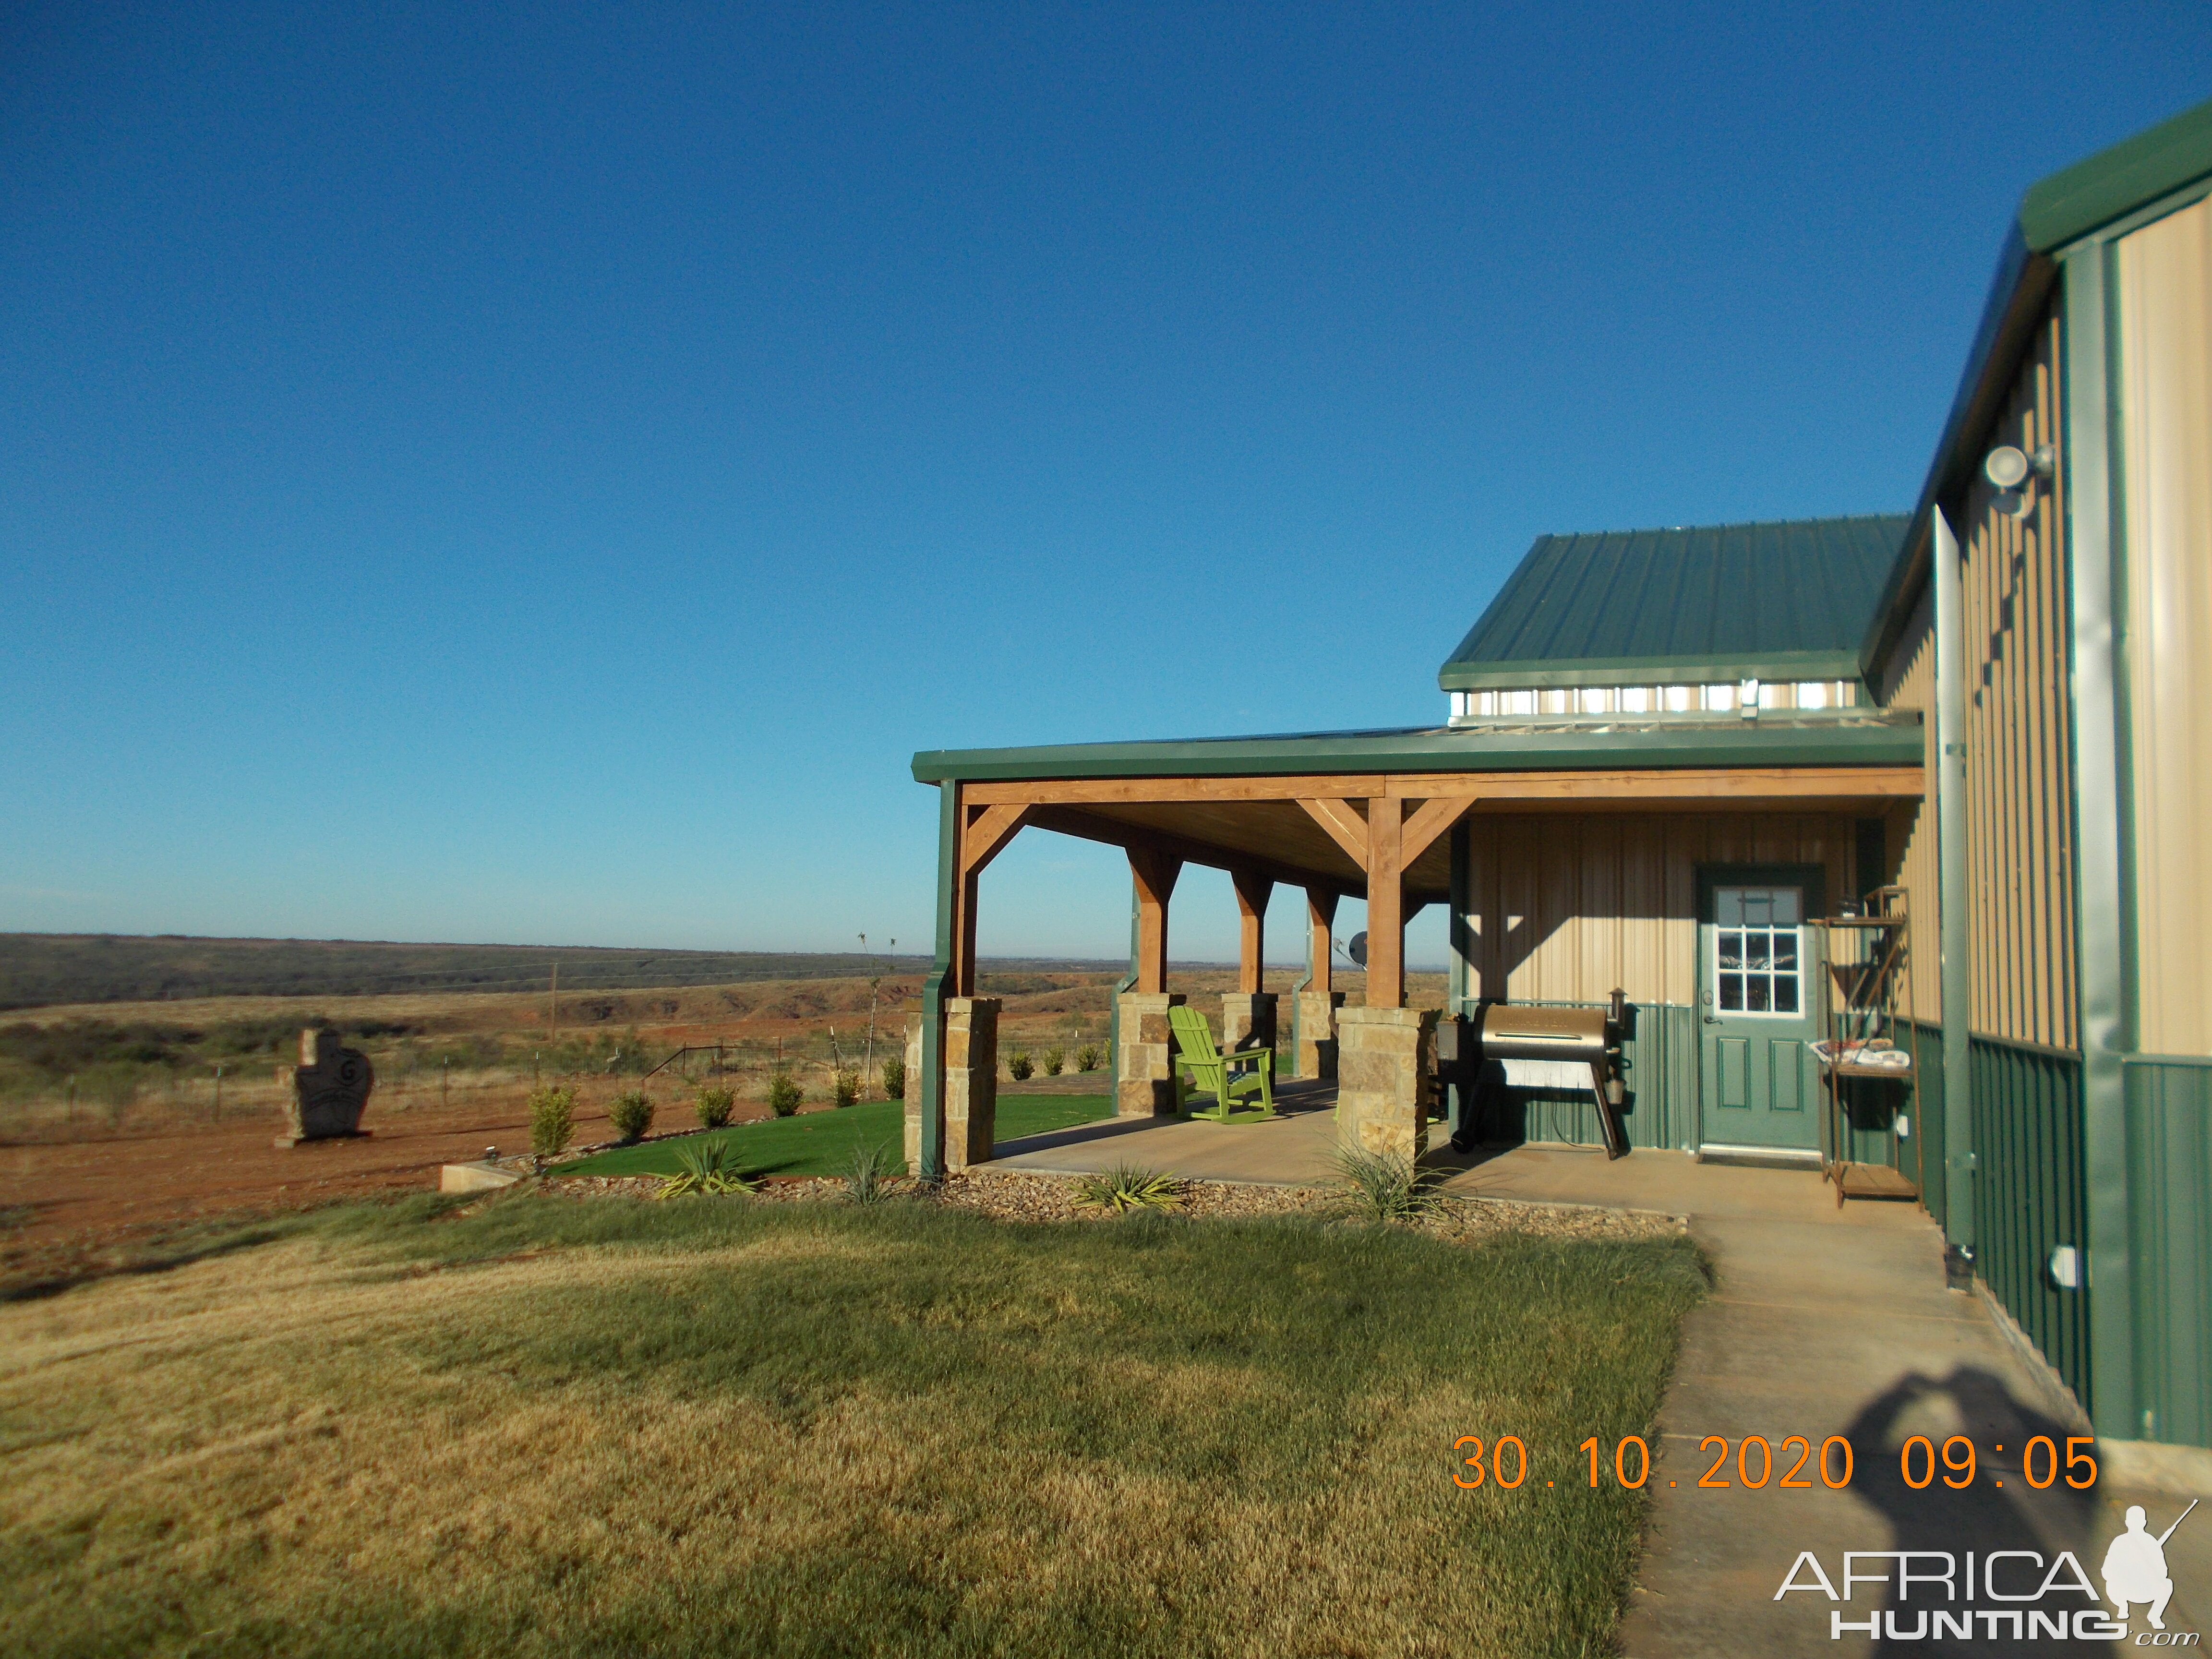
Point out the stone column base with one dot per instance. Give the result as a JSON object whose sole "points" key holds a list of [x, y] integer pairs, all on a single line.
{"points": [[1145, 1065], [1248, 1019], [971, 1084], [1386, 1069], [1317, 1015]]}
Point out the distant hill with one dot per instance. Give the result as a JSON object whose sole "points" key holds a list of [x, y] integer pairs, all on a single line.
{"points": [[40, 969]]}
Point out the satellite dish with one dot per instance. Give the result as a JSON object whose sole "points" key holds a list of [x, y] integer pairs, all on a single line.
{"points": [[2006, 467], [1358, 949]]}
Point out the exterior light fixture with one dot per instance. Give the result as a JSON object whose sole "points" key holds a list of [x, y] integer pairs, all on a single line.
{"points": [[2010, 468], [2066, 1267]]}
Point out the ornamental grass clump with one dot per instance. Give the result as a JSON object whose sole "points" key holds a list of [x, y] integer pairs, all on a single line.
{"points": [[1088, 1057], [1386, 1186], [1020, 1066], [1129, 1187], [1055, 1062], [706, 1171], [784, 1094], [552, 1120], [893, 1072], [868, 1178], [714, 1106], [632, 1114]]}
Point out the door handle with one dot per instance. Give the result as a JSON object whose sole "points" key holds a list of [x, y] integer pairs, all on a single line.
{"points": [[1705, 1001]]}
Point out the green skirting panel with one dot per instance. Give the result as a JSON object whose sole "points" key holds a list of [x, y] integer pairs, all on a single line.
{"points": [[1925, 1156], [2031, 1194], [2169, 1113]]}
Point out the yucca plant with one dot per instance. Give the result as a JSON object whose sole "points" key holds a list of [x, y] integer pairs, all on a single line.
{"points": [[1386, 1186], [868, 1176], [1129, 1187], [705, 1169]]}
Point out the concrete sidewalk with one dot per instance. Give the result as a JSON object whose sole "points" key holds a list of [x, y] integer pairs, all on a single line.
{"points": [[1827, 1322]]}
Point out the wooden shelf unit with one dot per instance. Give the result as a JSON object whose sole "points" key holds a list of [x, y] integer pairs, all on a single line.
{"points": [[1860, 1000]]}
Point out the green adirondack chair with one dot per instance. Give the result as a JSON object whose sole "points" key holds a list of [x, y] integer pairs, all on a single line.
{"points": [[1211, 1072]]}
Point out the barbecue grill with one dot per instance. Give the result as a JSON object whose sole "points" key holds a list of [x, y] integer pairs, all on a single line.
{"points": [[1502, 1032]]}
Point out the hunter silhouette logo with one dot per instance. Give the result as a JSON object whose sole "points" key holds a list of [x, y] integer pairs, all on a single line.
{"points": [[2135, 1567]]}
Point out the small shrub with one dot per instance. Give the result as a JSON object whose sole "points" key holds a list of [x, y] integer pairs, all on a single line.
{"points": [[894, 1075], [706, 1170], [784, 1094], [1129, 1187], [845, 1088], [1386, 1186], [868, 1181], [714, 1106], [552, 1120], [1019, 1066], [1088, 1056], [1055, 1062], [632, 1111]]}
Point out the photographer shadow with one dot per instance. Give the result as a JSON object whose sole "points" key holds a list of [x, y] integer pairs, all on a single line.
{"points": [[1995, 1509]]}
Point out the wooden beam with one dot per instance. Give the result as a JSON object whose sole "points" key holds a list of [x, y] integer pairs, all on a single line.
{"points": [[1155, 875], [1432, 820], [1344, 826], [1252, 894], [1386, 903], [989, 829], [1116, 832], [1321, 923], [1740, 784]]}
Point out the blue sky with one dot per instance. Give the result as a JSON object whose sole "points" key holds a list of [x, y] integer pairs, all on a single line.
{"points": [[487, 475]]}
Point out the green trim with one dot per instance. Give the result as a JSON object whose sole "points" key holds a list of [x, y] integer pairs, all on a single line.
{"points": [[2092, 555], [1863, 737], [2111, 184], [1955, 918], [1538, 672]]}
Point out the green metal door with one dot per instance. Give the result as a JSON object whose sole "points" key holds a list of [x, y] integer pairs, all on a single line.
{"points": [[1758, 1006]]}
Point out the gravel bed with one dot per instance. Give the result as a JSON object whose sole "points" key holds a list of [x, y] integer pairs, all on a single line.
{"points": [[1036, 1198]]}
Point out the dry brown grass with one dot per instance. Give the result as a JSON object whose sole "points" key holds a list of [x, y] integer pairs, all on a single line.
{"points": [[564, 1428]]}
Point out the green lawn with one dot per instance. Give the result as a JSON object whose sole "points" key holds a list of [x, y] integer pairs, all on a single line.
{"points": [[543, 1427], [822, 1143]]}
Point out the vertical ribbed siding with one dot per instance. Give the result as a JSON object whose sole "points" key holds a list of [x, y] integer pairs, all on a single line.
{"points": [[2032, 1193], [1910, 683], [2166, 394], [2019, 733], [1562, 909], [2169, 1104]]}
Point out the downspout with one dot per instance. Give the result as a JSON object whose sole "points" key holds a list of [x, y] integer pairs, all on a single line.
{"points": [[931, 1161], [1952, 919], [1127, 983]]}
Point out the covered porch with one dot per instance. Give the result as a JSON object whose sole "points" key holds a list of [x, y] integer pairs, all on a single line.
{"points": [[1568, 852]]}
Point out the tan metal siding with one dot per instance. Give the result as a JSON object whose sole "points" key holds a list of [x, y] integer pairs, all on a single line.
{"points": [[1564, 907], [1910, 683], [2166, 398], [2018, 734]]}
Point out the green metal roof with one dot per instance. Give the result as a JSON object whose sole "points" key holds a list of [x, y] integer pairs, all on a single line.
{"points": [[1784, 601], [1866, 738], [2077, 202]]}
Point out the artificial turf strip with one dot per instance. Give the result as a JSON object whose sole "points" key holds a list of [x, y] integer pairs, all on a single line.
{"points": [[822, 1143], [545, 1427]]}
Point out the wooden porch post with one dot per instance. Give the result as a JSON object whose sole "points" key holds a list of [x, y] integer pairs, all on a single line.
{"points": [[1321, 923], [984, 832], [1386, 903], [1155, 873], [1252, 894]]}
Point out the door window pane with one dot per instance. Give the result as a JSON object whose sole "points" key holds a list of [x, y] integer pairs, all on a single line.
{"points": [[1757, 953]]}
